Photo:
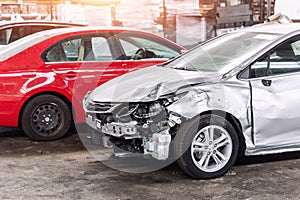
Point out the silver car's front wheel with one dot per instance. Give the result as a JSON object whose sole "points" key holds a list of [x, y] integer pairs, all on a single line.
{"points": [[207, 146], [211, 148]]}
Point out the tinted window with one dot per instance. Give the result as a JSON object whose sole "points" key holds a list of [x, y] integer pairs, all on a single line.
{"points": [[39, 28], [9, 35], [12, 34], [5, 35], [19, 32], [56, 54]]}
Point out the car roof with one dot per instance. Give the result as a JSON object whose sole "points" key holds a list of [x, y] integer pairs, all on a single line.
{"points": [[40, 36], [38, 22], [274, 28], [59, 31]]}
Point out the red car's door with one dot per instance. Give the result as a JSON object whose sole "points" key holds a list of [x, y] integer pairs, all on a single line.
{"points": [[82, 77]]}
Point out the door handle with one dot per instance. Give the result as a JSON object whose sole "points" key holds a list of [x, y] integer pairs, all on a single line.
{"points": [[70, 75], [28, 75], [266, 83]]}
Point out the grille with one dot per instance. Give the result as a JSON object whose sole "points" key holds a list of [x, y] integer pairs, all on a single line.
{"points": [[105, 107]]}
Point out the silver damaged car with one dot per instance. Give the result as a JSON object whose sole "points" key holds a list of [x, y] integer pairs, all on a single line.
{"points": [[237, 94]]}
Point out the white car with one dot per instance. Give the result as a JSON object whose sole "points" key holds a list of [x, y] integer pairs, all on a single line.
{"points": [[237, 94]]}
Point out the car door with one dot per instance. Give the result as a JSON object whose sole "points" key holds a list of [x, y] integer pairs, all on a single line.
{"points": [[275, 83], [142, 50], [83, 62]]}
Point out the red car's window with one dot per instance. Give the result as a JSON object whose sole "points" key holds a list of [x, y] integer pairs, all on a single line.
{"points": [[86, 48], [56, 54], [101, 50], [138, 47]]}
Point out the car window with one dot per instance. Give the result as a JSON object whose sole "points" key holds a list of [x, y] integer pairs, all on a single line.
{"points": [[72, 51], [142, 47], [38, 28], [224, 53], [85, 48], [100, 49], [5, 35], [129, 48], [56, 54], [19, 32], [283, 59], [9, 35]]}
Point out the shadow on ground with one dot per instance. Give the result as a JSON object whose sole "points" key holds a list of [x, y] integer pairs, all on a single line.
{"points": [[13, 141]]}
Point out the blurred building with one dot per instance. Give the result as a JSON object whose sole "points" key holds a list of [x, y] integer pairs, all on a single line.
{"points": [[187, 22]]}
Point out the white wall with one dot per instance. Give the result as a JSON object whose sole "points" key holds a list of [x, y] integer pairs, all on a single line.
{"points": [[92, 15], [291, 8]]}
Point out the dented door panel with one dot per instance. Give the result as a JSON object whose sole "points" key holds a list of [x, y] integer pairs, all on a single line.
{"points": [[275, 111]]}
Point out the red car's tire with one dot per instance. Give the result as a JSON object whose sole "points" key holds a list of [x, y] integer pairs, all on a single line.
{"points": [[46, 117]]}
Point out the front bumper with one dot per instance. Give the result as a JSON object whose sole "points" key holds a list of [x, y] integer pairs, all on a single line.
{"points": [[113, 129], [156, 144]]}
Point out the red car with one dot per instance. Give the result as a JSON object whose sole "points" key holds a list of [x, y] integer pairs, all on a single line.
{"points": [[44, 76]]}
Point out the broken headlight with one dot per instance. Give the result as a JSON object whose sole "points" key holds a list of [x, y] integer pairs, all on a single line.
{"points": [[148, 110]]}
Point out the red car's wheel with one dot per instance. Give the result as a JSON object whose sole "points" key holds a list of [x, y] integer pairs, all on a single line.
{"points": [[46, 117]]}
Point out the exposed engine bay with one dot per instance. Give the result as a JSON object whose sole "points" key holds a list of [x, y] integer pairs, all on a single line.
{"points": [[146, 127]]}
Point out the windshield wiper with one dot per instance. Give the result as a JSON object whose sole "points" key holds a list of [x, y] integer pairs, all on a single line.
{"points": [[184, 68]]}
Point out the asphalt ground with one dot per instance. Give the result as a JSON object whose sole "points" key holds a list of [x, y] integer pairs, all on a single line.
{"points": [[64, 169]]}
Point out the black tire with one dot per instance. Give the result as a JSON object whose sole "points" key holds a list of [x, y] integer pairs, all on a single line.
{"points": [[46, 117], [194, 130]]}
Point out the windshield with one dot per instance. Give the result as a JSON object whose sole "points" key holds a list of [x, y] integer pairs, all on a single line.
{"points": [[20, 45], [223, 53]]}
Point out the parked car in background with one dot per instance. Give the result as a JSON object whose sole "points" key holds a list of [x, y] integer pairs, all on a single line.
{"points": [[11, 31], [237, 94], [44, 76]]}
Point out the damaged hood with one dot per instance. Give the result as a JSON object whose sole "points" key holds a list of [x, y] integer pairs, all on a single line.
{"points": [[148, 84]]}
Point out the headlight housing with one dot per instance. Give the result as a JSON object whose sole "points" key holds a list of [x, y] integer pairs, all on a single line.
{"points": [[86, 103], [148, 110]]}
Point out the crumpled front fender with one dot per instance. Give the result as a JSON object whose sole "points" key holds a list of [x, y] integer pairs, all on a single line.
{"points": [[224, 98]]}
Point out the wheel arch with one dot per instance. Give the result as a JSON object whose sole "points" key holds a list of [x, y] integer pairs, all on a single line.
{"points": [[236, 125], [59, 95]]}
